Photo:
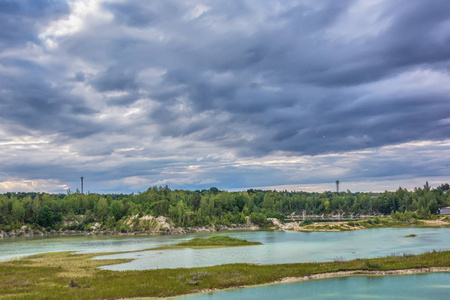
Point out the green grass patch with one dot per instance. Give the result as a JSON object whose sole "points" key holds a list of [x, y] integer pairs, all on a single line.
{"points": [[211, 242], [381, 222], [49, 276]]}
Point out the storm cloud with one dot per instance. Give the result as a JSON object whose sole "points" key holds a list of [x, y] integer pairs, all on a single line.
{"points": [[193, 94]]}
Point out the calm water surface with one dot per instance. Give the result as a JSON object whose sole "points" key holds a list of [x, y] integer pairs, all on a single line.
{"points": [[21, 246], [422, 286], [294, 247], [278, 247]]}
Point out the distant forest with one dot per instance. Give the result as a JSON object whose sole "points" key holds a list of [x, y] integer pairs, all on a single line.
{"points": [[76, 211]]}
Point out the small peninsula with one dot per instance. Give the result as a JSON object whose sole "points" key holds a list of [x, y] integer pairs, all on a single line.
{"points": [[215, 241]]}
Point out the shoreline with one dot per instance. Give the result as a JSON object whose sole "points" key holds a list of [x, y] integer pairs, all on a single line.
{"points": [[210, 229], [64, 270], [165, 228], [319, 276], [175, 231]]}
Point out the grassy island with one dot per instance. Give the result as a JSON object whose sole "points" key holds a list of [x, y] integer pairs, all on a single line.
{"points": [[68, 276], [212, 242], [411, 235]]}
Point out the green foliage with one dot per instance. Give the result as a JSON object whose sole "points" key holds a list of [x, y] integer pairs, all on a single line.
{"points": [[370, 265], [160, 208], [275, 214], [18, 212], [213, 241], [111, 223], [306, 222], [48, 275], [260, 219], [46, 217], [212, 207], [116, 210], [102, 210]]}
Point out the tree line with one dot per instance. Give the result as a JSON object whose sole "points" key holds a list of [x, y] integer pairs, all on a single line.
{"points": [[76, 211]]}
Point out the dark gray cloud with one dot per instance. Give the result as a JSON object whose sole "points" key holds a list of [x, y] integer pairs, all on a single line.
{"points": [[21, 21], [115, 82], [28, 97], [115, 79]]}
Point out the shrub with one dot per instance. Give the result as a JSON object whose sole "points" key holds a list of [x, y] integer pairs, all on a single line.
{"points": [[306, 222], [260, 219], [373, 265]]}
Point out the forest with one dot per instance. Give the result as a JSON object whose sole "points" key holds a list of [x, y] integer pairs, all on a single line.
{"points": [[76, 211]]}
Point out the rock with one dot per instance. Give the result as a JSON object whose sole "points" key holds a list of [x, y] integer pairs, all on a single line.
{"points": [[73, 284], [96, 226], [275, 222]]}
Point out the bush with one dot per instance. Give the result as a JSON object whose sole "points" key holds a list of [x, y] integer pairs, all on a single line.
{"points": [[123, 228], [111, 222], [260, 219], [275, 214], [373, 265], [73, 226], [306, 222]]}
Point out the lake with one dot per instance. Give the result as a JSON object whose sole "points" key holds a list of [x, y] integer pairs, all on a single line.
{"points": [[278, 247], [293, 247], [419, 286]]}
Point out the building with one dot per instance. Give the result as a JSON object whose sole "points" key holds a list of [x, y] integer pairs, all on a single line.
{"points": [[444, 211]]}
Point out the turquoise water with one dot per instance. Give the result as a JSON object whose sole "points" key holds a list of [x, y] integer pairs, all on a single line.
{"points": [[421, 286], [22, 246], [278, 247], [294, 247]]}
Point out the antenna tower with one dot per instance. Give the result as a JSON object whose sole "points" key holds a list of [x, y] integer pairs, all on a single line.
{"points": [[337, 187], [82, 185]]}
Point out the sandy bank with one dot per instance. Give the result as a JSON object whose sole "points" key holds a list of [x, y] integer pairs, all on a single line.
{"points": [[364, 272], [320, 276], [334, 275]]}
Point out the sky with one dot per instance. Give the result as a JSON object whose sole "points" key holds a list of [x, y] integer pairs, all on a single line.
{"points": [[232, 94]]}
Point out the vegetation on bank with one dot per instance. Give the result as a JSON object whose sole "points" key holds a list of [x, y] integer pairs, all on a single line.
{"points": [[397, 220], [213, 241], [67, 276], [76, 211]]}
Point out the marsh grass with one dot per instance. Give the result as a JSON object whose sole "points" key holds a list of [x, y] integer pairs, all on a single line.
{"points": [[216, 241], [211, 242], [48, 276]]}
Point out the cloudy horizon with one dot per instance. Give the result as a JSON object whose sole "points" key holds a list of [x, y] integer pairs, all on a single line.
{"points": [[233, 94]]}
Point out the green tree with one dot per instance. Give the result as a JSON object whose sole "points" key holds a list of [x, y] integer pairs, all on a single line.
{"points": [[116, 210], [36, 207], [102, 210], [18, 211], [160, 208], [46, 217]]}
